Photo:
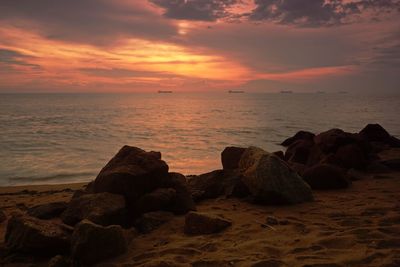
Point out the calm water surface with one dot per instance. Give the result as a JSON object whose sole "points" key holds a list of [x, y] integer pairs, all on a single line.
{"points": [[57, 138]]}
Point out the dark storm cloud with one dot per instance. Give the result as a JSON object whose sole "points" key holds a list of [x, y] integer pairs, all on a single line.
{"points": [[9, 58], [98, 22], [202, 10], [314, 13]]}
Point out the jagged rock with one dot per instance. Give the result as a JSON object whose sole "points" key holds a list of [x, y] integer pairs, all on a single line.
{"points": [[216, 183], [101, 208], [183, 201], [132, 172], [31, 235], [299, 151], [230, 157], [351, 156], [270, 180], [331, 140], [325, 177], [301, 135], [197, 223], [3, 216], [92, 243], [376, 133], [48, 210], [152, 220], [159, 199]]}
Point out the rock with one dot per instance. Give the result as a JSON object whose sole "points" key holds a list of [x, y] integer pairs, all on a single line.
{"points": [[376, 133], [152, 220], [325, 177], [102, 208], [48, 210], [279, 154], [183, 201], [298, 168], [132, 172], [331, 140], [31, 235], [301, 135], [351, 156], [354, 175], [3, 216], [197, 223], [230, 157], [59, 261], [159, 199], [216, 183], [92, 243], [270, 180], [271, 220], [299, 151]]}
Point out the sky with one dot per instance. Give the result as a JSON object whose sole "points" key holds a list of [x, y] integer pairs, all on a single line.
{"points": [[199, 45]]}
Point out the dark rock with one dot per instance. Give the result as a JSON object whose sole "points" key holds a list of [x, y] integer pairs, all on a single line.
{"points": [[376, 167], [183, 201], [59, 261], [132, 172], [152, 220], [301, 135], [31, 235], [354, 175], [92, 243], [325, 177], [214, 184], [393, 164], [271, 220], [197, 223], [48, 210], [159, 199], [101, 208], [270, 180], [352, 156], [230, 157], [279, 154], [331, 140], [3, 216], [298, 168], [299, 151], [376, 133]]}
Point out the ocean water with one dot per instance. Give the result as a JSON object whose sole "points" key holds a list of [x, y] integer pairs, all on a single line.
{"points": [[59, 138]]}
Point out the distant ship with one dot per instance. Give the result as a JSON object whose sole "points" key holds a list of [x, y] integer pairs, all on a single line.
{"points": [[235, 92], [164, 92], [286, 92]]}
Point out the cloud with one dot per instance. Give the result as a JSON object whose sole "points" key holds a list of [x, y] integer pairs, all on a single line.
{"points": [[202, 10], [11, 58], [315, 13], [98, 22], [123, 73]]}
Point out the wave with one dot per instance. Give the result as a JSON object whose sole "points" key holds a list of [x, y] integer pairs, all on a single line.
{"points": [[58, 177]]}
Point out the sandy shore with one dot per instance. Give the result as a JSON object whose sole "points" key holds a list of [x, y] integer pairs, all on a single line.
{"points": [[359, 226]]}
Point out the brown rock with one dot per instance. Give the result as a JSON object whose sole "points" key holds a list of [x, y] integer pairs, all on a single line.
{"points": [[159, 199], [230, 157], [92, 243], [31, 235], [48, 210], [183, 201], [376, 133], [3, 216], [325, 177], [132, 172], [152, 220], [351, 156], [301, 135], [101, 208], [299, 151], [331, 140], [197, 223]]}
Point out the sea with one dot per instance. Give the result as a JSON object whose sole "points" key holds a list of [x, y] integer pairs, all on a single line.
{"points": [[64, 138]]}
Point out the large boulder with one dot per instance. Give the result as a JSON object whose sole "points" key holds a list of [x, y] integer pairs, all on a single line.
{"points": [[48, 210], [216, 183], [270, 180], [132, 172], [331, 140], [299, 151], [197, 223], [183, 201], [301, 135], [325, 177], [101, 208], [92, 243], [31, 235], [159, 199], [351, 156], [376, 133], [230, 157]]}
